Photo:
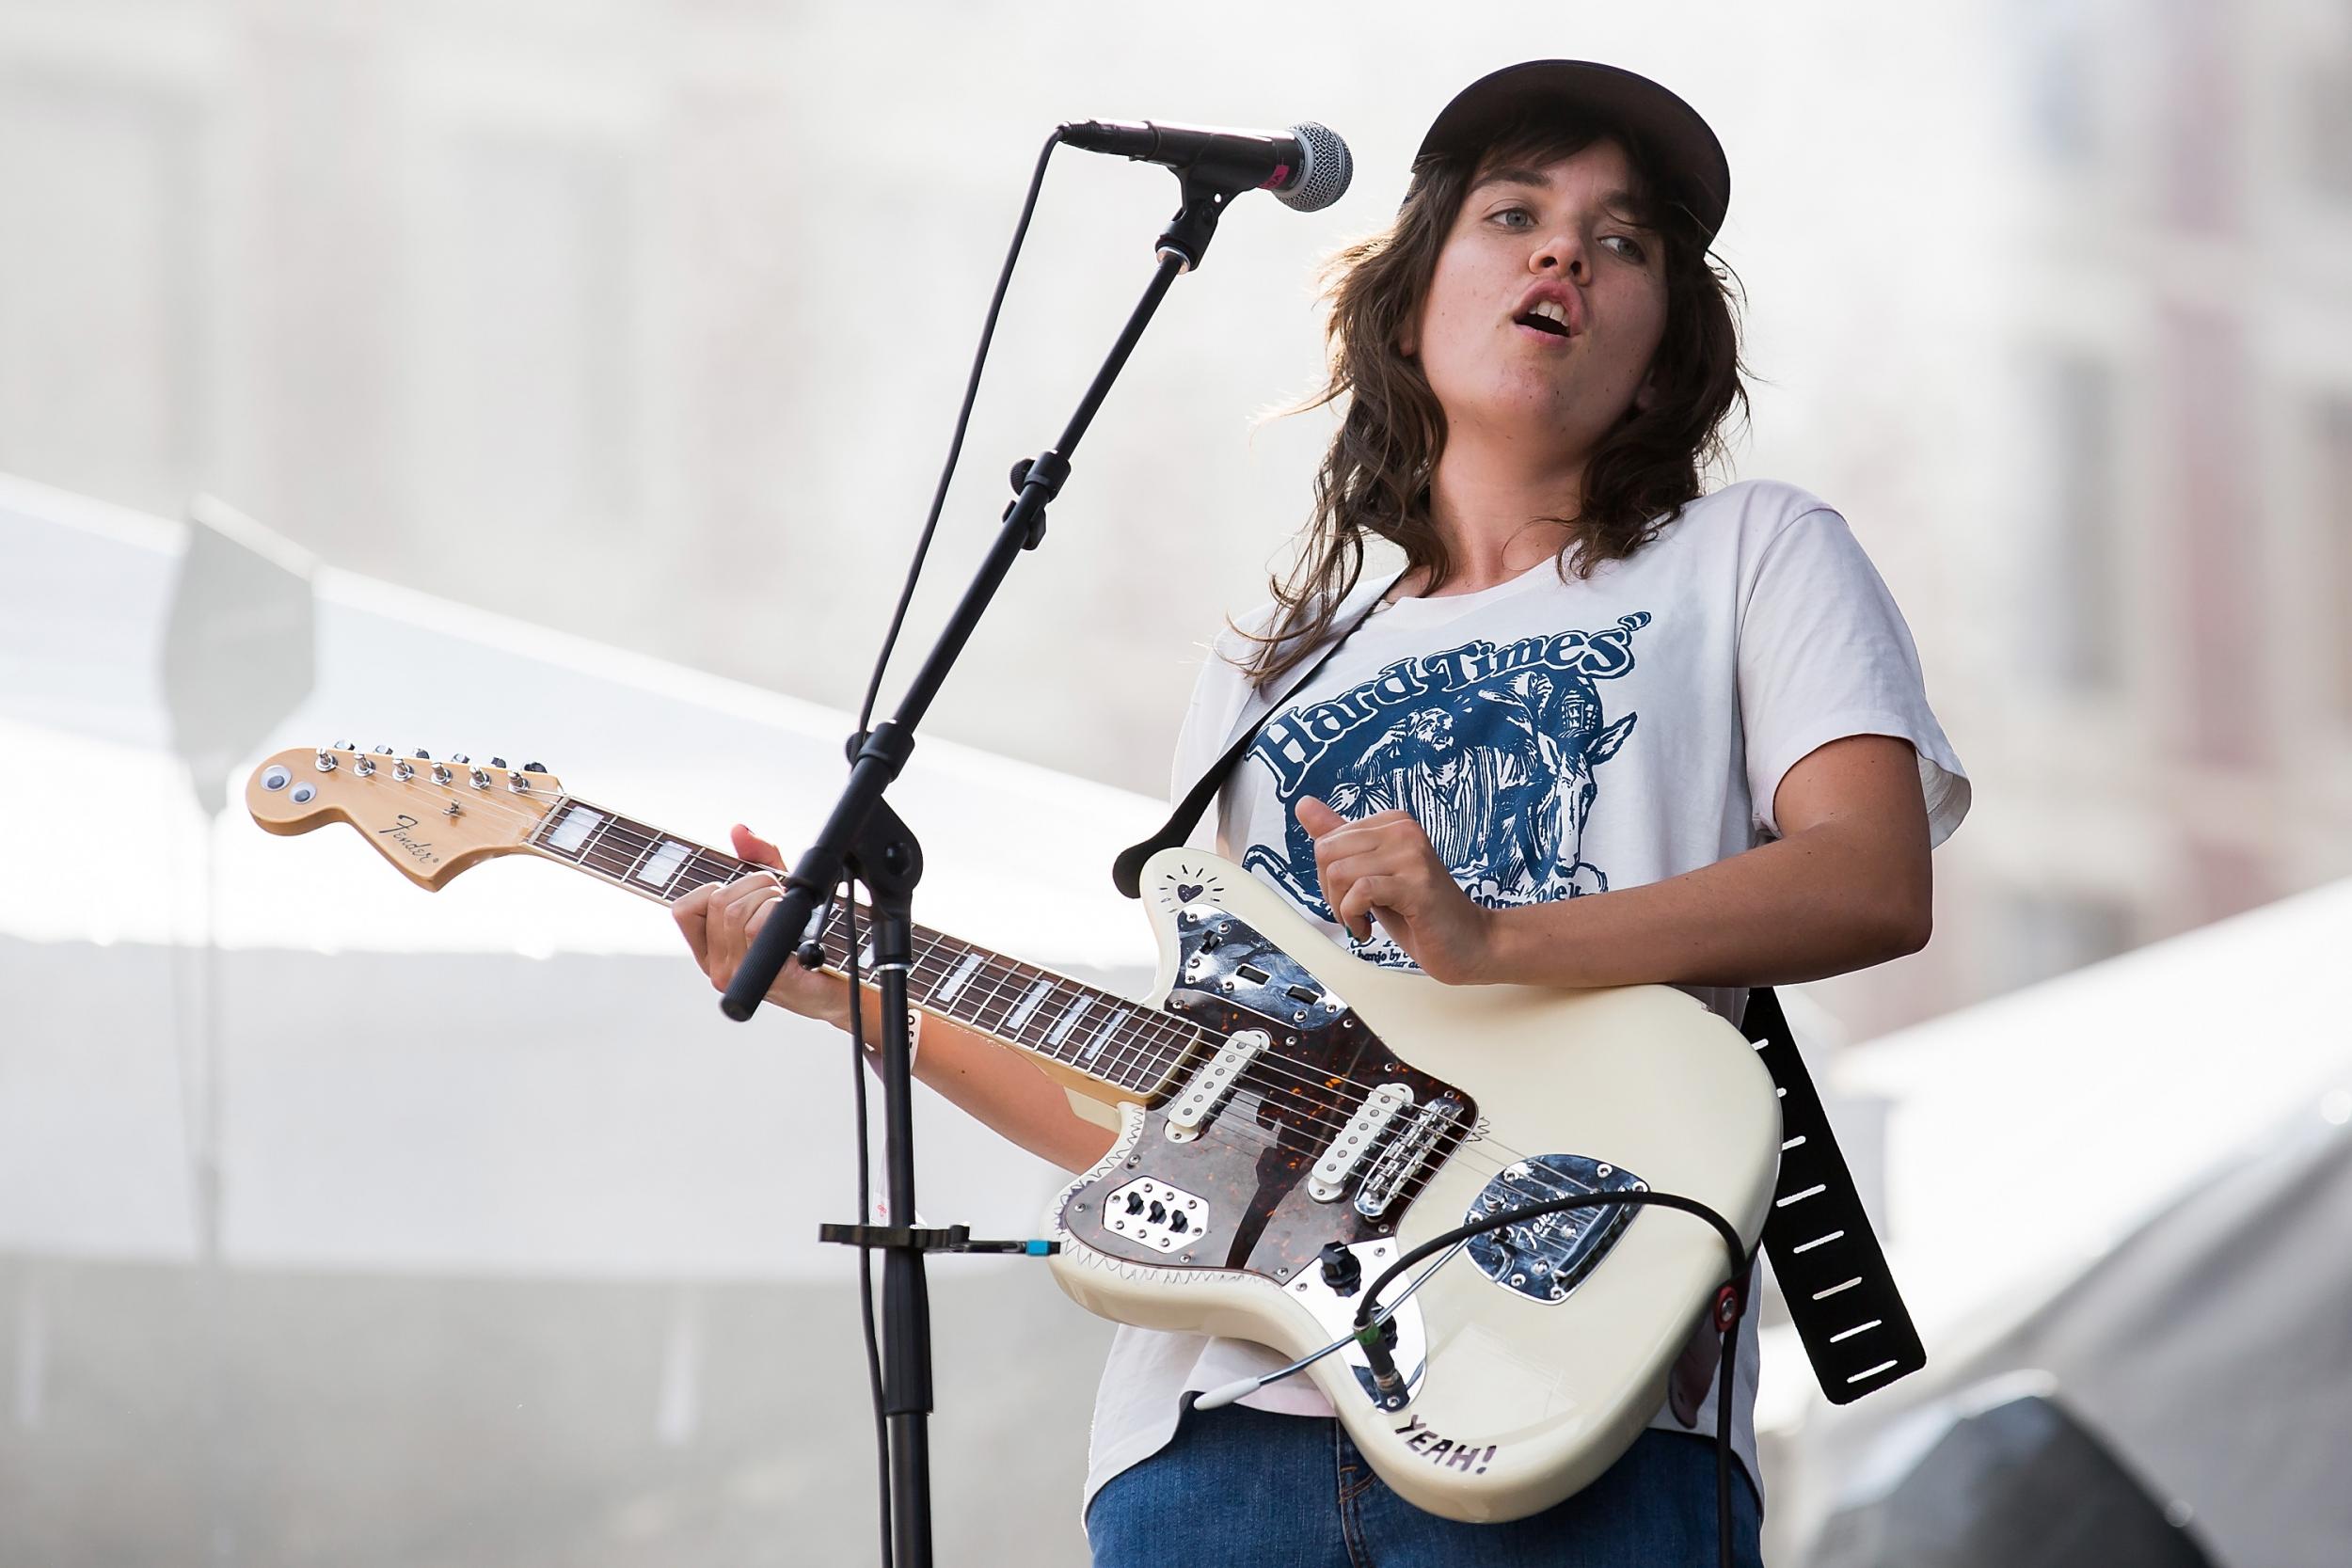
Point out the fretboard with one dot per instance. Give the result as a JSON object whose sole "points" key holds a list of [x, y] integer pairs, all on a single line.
{"points": [[1097, 1033]]}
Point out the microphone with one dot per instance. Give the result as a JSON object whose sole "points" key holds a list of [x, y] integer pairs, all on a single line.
{"points": [[1307, 167]]}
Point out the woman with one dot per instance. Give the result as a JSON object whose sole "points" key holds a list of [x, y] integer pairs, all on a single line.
{"points": [[1603, 730]]}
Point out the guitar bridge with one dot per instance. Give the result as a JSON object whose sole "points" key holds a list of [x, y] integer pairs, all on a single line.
{"points": [[1546, 1257]]}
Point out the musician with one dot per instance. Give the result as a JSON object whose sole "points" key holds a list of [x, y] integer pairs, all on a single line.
{"points": [[1605, 729]]}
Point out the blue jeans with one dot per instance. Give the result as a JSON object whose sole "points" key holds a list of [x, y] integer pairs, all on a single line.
{"points": [[1243, 1488]]}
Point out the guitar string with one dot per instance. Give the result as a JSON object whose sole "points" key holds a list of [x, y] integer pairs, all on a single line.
{"points": [[1300, 1071], [1226, 1129], [615, 832]]}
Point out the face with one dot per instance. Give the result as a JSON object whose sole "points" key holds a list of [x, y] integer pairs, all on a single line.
{"points": [[1546, 304]]}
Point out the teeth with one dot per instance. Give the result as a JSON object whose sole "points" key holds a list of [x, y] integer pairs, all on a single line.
{"points": [[1551, 311]]}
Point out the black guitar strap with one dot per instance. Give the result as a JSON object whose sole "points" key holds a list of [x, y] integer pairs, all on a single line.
{"points": [[1127, 870], [1841, 1296]]}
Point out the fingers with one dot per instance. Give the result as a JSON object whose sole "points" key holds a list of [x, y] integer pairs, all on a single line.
{"points": [[720, 920], [1385, 844], [739, 909], [749, 846], [1381, 897]]}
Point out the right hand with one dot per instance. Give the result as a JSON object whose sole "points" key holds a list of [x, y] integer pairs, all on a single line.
{"points": [[720, 919]]}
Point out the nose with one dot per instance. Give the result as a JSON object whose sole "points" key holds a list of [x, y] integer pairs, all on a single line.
{"points": [[1562, 251]]}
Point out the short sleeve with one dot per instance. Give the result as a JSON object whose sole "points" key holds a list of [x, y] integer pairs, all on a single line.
{"points": [[1824, 654], [1218, 694]]}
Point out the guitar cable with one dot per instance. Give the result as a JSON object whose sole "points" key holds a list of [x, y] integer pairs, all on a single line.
{"points": [[865, 1215], [1375, 1330], [849, 888], [955, 450]]}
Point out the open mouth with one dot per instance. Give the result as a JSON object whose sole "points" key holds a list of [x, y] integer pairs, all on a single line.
{"points": [[1546, 317]]}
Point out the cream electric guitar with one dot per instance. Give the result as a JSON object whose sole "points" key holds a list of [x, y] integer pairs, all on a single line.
{"points": [[1289, 1118]]}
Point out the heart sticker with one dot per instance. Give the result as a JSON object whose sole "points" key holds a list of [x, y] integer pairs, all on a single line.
{"points": [[1187, 891]]}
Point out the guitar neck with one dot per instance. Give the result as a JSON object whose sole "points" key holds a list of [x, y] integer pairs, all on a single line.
{"points": [[1088, 1031]]}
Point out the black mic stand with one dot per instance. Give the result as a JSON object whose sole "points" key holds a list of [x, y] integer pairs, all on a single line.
{"points": [[867, 837]]}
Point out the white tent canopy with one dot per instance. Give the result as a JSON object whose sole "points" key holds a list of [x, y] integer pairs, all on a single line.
{"points": [[521, 1073]]}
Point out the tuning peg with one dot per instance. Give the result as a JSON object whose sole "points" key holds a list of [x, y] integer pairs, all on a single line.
{"points": [[497, 761], [534, 766], [460, 758], [383, 751], [422, 754], [404, 769], [344, 745], [326, 760]]}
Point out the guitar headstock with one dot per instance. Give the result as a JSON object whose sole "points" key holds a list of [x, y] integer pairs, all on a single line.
{"points": [[430, 818]]}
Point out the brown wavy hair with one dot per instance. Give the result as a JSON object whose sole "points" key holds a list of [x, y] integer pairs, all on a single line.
{"points": [[1376, 477]]}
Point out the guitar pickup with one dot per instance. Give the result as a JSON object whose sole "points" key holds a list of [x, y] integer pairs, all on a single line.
{"points": [[1212, 1084], [1328, 1181]]}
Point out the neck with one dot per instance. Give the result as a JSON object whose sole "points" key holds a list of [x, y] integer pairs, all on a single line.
{"points": [[1494, 503]]}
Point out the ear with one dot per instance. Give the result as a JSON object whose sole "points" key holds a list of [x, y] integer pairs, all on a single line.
{"points": [[1604, 745]]}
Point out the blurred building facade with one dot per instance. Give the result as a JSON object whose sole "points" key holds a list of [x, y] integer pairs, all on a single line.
{"points": [[635, 321], [2161, 472]]}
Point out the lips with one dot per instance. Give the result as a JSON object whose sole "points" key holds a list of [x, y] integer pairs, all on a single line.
{"points": [[1552, 308]]}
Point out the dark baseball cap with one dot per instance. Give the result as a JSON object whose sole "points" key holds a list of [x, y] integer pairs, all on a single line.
{"points": [[1686, 156]]}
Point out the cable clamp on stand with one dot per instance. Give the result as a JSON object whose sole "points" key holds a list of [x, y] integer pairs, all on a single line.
{"points": [[953, 1238]]}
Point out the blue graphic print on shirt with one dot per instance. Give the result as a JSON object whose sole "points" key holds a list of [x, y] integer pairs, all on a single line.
{"points": [[1491, 748]]}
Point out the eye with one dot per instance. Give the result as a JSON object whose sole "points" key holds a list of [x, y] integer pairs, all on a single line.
{"points": [[1627, 246], [1513, 218]]}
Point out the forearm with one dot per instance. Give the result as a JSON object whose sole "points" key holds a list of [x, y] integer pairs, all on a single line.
{"points": [[1840, 896], [999, 1086]]}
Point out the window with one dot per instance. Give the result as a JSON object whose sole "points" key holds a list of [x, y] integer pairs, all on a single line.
{"points": [[2076, 556]]}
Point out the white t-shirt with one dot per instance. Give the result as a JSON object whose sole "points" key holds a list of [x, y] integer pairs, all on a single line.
{"points": [[1554, 739]]}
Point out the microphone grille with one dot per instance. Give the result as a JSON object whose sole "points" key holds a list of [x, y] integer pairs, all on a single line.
{"points": [[1329, 168]]}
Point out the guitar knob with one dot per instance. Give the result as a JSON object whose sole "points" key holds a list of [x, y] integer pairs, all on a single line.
{"points": [[1341, 1269]]}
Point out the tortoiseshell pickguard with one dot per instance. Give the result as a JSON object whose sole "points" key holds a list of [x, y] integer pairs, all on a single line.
{"points": [[1251, 1162]]}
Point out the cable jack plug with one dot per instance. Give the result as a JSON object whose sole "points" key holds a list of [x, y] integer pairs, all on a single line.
{"points": [[1379, 1343]]}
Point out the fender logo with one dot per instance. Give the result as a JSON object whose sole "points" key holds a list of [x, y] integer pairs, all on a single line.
{"points": [[1443, 1452], [420, 849]]}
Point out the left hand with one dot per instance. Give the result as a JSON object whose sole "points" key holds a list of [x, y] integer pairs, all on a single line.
{"points": [[1384, 868]]}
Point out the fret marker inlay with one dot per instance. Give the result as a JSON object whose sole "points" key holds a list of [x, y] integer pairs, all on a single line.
{"points": [[1029, 1006], [954, 983], [661, 865], [1068, 1021], [1094, 1046], [572, 832]]}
